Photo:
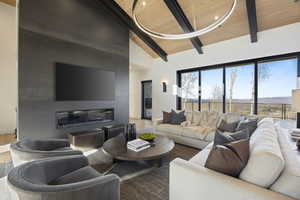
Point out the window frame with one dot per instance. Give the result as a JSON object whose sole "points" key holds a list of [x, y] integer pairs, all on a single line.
{"points": [[255, 62]]}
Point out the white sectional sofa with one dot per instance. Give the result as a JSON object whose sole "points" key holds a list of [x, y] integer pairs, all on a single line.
{"points": [[272, 172], [199, 129]]}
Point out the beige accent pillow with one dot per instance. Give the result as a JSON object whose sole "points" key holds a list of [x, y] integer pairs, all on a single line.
{"points": [[213, 119], [203, 119], [189, 116], [196, 118], [232, 117]]}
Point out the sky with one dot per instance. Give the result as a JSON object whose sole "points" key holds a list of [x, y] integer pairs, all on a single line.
{"points": [[281, 79]]}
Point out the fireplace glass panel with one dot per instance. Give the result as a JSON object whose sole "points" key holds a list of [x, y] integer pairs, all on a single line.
{"points": [[79, 117]]}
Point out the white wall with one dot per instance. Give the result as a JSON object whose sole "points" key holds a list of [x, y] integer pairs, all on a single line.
{"points": [[8, 68], [140, 62], [276, 41], [138, 57], [135, 93]]}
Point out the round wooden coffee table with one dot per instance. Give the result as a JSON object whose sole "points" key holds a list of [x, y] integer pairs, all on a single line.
{"points": [[117, 148]]}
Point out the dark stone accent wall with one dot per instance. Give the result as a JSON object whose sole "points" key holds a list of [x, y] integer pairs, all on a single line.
{"points": [[78, 32]]}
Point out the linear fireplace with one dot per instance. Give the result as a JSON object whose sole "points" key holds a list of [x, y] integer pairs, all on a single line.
{"points": [[66, 119]]}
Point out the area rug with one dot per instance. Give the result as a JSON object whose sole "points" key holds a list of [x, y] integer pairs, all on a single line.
{"points": [[5, 160], [5, 168], [154, 185]]}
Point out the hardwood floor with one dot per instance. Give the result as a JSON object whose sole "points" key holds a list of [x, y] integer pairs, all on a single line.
{"points": [[6, 139]]}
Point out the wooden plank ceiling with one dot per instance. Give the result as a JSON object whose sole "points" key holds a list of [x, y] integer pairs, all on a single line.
{"points": [[9, 2], [156, 15]]}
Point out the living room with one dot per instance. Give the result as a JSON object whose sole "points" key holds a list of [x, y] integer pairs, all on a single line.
{"points": [[150, 99]]}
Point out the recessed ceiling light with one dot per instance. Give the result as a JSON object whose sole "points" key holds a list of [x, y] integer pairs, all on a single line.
{"points": [[216, 17], [144, 3]]}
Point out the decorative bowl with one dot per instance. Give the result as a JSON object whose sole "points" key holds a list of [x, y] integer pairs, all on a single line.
{"points": [[147, 136]]}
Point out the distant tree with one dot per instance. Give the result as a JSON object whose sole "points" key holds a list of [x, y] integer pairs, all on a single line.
{"points": [[232, 82], [264, 73], [189, 82], [217, 94]]}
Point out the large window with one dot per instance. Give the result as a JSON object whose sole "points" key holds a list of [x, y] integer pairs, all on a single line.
{"points": [[276, 80], [212, 90], [190, 91], [240, 89], [258, 86]]}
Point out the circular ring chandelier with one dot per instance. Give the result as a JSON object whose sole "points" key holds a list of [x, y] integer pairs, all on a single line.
{"points": [[189, 35]]}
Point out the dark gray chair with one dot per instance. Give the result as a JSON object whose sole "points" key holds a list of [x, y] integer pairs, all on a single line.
{"points": [[62, 178], [28, 150]]}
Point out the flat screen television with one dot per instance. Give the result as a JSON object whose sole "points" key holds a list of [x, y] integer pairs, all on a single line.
{"points": [[76, 83]]}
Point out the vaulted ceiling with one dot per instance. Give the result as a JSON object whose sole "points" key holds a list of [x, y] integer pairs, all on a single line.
{"points": [[9, 2], [249, 17], [267, 14]]}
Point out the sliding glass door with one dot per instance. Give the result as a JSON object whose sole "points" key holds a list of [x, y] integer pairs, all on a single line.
{"points": [[190, 91], [276, 80], [240, 89], [212, 90], [259, 86]]}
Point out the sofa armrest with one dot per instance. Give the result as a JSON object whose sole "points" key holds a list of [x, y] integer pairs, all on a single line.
{"points": [[157, 122], [185, 124], [194, 182]]}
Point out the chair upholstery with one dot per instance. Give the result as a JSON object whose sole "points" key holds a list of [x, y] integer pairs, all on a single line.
{"points": [[37, 180], [28, 150]]}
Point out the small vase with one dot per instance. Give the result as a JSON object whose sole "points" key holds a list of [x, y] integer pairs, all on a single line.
{"points": [[130, 132]]}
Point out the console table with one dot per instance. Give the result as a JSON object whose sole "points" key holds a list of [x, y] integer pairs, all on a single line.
{"points": [[86, 140], [113, 130]]}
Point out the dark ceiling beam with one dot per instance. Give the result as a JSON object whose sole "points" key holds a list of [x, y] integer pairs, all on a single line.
{"points": [[126, 19], [184, 22], [252, 19]]}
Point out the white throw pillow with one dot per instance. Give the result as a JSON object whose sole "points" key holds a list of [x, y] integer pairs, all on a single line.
{"points": [[289, 181], [212, 119], [266, 121], [197, 117], [189, 116], [266, 161], [232, 117]]}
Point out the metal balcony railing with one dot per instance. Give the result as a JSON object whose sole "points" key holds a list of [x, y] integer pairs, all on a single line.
{"points": [[274, 110]]}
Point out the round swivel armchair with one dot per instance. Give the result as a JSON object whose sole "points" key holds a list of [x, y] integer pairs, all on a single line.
{"points": [[28, 150], [62, 178]]}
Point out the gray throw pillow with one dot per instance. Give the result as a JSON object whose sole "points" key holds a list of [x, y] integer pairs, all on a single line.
{"points": [[228, 127], [177, 118], [230, 158], [241, 135], [221, 138], [250, 124]]}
